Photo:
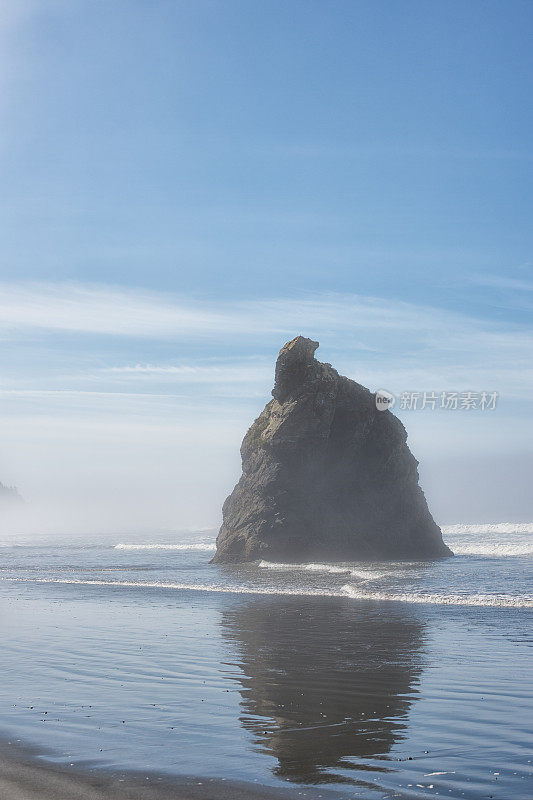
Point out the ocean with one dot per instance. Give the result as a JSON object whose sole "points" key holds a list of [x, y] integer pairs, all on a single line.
{"points": [[373, 680]]}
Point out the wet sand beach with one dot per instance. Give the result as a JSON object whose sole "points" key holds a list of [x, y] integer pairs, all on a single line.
{"points": [[22, 777]]}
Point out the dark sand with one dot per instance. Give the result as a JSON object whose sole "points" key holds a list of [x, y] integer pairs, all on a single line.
{"points": [[22, 777]]}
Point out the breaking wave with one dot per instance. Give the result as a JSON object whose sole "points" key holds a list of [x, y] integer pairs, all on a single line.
{"points": [[337, 570], [194, 587], [495, 549], [186, 546], [348, 590], [430, 598], [495, 540], [365, 575], [493, 527]]}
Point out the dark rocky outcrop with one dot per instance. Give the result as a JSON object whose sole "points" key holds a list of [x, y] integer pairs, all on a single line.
{"points": [[325, 475]]}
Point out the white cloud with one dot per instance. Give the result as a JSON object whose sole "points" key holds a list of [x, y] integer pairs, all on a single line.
{"points": [[374, 340], [101, 309], [502, 282], [195, 373]]}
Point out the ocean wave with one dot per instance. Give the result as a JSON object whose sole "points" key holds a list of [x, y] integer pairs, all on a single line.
{"points": [[186, 546], [334, 569], [338, 570], [432, 598], [194, 587], [348, 590], [492, 527], [372, 574], [495, 550]]}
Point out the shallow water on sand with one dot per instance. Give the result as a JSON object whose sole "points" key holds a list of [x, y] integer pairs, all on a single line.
{"points": [[371, 680]]}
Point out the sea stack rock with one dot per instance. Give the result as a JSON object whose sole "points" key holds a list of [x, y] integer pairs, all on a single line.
{"points": [[325, 475]]}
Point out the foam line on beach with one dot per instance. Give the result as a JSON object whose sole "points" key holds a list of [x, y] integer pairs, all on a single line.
{"points": [[194, 587], [348, 590]]}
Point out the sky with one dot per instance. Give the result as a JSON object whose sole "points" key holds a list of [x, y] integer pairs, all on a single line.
{"points": [[187, 185]]}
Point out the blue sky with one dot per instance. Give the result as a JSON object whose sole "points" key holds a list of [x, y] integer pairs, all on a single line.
{"points": [[186, 185]]}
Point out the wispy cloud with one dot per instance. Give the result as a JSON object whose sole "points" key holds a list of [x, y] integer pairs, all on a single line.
{"points": [[102, 310], [186, 373], [105, 310], [502, 282], [365, 336]]}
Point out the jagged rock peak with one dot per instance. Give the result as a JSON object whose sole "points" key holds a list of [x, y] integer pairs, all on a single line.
{"points": [[295, 365], [325, 474]]}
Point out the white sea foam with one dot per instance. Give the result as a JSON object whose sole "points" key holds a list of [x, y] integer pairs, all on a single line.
{"points": [[492, 549], [496, 540], [184, 546], [335, 569], [371, 574], [338, 570], [433, 598], [493, 527], [348, 590], [194, 587]]}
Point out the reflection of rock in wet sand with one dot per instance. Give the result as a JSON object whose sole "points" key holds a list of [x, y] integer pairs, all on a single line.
{"points": [[324, 682]]}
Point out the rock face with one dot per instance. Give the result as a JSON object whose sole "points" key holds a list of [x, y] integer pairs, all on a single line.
{"points": [[325, 475]]}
